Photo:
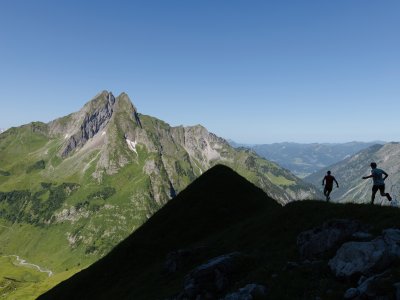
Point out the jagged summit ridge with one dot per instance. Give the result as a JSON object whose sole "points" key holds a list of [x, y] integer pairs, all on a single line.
{"points": [[93, 118], [108, 134], [93, 122], [113, 126]]}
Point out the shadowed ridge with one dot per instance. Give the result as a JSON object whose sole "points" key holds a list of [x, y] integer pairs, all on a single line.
{"points": [[220, 198]]}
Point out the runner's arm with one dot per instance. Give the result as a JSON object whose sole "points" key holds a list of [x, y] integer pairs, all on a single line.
{"points": [[337, 184]]}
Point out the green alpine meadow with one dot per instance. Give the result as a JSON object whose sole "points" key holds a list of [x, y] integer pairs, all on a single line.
{"points": [[73, 188]]}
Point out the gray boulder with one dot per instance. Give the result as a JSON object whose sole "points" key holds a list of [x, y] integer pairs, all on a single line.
{"points": [[391, 235], [213, 278], [367, 258], [397, 290], [356, 258], [176, 260], [249, 292], [373, 287], [362, 236], [315, 242], [351, 293]]}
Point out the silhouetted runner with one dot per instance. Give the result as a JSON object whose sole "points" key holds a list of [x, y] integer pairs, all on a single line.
{"points": [[379, 182], [328, 182]]}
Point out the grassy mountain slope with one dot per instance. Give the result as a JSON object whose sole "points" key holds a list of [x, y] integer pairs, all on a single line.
{"points": [[349, 172], [221, 212], [70, 190]]}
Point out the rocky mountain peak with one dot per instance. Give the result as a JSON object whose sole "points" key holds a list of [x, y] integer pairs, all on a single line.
{"points": [[79, 127], [101, 99], [125, 104], [111, 98]]}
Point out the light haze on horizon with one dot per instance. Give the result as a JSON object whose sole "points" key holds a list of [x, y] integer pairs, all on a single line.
{"points": [[255, 72]]}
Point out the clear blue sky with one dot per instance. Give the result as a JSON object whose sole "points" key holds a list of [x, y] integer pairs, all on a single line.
{"points": [[252, 71]]}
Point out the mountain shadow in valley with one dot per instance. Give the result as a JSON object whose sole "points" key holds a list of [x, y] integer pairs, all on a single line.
{"points": [[220, 215], [212, 204]]}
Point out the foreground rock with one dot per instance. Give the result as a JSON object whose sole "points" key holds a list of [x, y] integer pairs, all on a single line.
{"points": [[375, 287], [179, 259], [249, 292], [313, 243], [367, 258], [212, 279]]}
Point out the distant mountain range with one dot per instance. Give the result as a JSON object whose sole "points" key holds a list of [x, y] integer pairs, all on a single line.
{"points": [[350, 170], [73, 188], [305, 159]]}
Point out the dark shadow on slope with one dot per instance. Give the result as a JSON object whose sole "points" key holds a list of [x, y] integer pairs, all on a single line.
{"points": [[221, 212], [213, 203]]}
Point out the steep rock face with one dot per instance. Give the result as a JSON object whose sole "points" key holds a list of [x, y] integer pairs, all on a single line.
{"points": [[121, 127], [85, 124], [200, 144], [92, 123]]}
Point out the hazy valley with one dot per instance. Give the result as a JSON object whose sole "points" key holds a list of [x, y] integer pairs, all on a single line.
{"points": [[306, 159]]}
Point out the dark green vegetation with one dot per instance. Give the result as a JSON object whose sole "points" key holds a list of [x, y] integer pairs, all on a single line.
{"points": [[39, 165], [4, 173], [34, 208], [222, 212]]}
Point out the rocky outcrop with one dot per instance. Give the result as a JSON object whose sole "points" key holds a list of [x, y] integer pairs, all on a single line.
{"points": [[212, 279], [358, 257], [367, 258], [313, 243], [201, 145], [179, 259], [137, 118], [249, 292], [95, 119], [376, 286]]}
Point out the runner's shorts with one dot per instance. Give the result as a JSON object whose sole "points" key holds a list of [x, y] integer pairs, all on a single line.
{"points": [[381, 188]]}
